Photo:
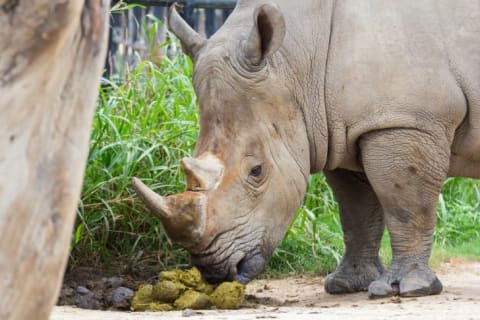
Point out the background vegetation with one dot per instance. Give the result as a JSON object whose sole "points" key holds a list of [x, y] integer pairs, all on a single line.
{"points": [[146, 124]]}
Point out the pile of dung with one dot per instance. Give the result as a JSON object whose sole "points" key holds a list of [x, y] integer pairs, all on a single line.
{"points": [[178, 290]]}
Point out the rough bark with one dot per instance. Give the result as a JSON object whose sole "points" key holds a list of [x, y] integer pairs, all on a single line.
{"points": [[52, 54]]}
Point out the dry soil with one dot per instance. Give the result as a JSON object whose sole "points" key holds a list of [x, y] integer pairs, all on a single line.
{"points": [[304, 298]]}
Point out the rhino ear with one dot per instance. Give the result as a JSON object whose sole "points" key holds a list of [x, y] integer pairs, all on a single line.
{"points": [[191, 41], [267, 34]]}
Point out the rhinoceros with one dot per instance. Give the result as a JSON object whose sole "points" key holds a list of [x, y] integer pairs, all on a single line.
{"points": [[383, 96]]}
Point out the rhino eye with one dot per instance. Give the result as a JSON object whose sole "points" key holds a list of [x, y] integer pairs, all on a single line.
{"points": [[256, 171]]}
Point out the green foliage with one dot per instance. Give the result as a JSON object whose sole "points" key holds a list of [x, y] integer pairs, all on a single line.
{"points": [[313, 243], [468, 250], [144, 126], [458, 212]]}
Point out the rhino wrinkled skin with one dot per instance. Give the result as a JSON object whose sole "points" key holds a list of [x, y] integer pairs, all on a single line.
{"points": [[383, 96]]}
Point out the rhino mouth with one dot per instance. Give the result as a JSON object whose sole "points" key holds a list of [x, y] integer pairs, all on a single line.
{"points": [[249, 267], [242, 270]]}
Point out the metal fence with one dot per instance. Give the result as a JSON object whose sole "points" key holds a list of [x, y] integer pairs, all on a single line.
{"points": [[133, 39]]}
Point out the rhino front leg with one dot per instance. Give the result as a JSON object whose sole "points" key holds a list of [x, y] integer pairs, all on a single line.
{"points": [[407, 169], [362, 223]]}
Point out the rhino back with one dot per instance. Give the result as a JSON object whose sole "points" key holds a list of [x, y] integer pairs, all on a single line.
{"points": [[409, 64]]}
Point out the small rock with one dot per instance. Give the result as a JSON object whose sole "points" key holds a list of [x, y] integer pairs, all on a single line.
{"points": [[86, 300], [82, 290], [121, 297], [188, 313], [87, 303], [191, 313]]}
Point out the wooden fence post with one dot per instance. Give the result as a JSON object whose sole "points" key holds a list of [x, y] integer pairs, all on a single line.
{"points": [[52, 55]]}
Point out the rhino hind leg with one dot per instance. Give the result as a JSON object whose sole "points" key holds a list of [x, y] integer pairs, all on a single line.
{"points": [[407, 169], [362, 223]]}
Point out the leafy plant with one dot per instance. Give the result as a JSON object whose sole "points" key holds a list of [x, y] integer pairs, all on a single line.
{"points": [[142, 128]]}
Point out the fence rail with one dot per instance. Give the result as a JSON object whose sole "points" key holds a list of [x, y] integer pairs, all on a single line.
{"points": [[205, 4]]}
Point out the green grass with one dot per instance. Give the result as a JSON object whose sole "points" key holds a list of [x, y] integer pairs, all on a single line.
{"points": [[468, 250], [458, 212], [313, 243], [144, 126]]}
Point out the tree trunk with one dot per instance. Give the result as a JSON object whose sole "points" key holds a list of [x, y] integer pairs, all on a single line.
{"points": [[52, 54]]}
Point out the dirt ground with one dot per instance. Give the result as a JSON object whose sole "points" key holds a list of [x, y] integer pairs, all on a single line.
{"points": [[304, 298]]}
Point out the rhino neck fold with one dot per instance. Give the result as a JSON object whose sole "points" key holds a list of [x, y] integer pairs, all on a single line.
{"points": [[303, 62]]}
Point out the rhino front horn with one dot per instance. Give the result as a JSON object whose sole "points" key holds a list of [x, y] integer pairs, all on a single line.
{"points": [[182, 215], [155, 203]]}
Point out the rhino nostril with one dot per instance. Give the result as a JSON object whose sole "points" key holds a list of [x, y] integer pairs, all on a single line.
{"points": [[249, 267], [240, 265], [242, 272]]}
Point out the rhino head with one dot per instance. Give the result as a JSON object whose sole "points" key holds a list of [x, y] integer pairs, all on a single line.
{"points": [[251, 163]]}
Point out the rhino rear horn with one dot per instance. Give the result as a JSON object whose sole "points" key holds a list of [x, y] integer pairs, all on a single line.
{"points": [[191, 41], [266, 35], [203, 173]]}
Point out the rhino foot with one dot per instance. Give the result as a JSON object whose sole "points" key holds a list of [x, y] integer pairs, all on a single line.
{"points": [[416, 282], [353, 277]]}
